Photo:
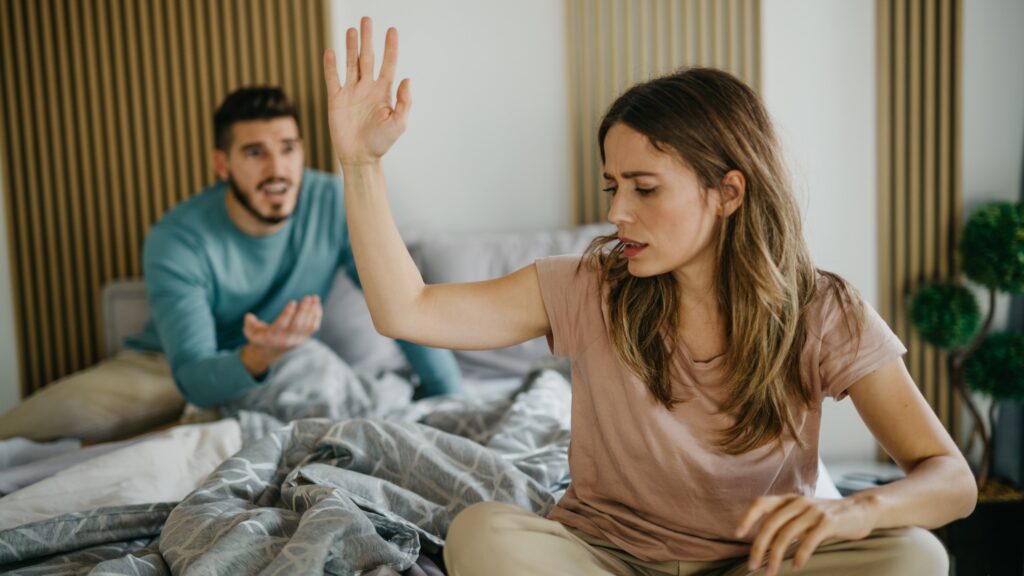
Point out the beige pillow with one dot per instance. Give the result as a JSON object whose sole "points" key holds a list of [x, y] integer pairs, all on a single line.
{"points": [[122, 396]]}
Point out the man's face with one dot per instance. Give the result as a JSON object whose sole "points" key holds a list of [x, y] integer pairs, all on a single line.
{"points": [[263, 167]]}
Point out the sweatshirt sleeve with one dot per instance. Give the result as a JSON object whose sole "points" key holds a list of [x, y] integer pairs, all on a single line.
{"points": [[179, 289]]}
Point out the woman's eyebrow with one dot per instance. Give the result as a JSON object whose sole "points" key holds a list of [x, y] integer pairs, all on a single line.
{"points": [[631, 175]]}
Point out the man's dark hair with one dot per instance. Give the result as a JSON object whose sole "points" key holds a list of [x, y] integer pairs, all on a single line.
{"points": [[250, 103]]}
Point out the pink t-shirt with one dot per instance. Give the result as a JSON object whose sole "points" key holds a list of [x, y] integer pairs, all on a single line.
{"points": [[652, 481]]}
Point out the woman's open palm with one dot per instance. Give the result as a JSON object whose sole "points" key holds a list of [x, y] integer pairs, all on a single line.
{"points": [[363, 122]]}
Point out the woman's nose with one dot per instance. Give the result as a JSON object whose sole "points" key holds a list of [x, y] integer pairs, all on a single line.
{"points": [[619, 211]]}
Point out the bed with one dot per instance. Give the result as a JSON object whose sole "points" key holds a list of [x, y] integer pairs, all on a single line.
{"points": [[368, 488]]}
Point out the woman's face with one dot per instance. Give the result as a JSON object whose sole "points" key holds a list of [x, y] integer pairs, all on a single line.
{"points": [[666, 222]]}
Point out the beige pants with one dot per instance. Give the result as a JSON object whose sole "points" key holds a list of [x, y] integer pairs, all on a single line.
{"points": [[119, 397], [496, 539]]}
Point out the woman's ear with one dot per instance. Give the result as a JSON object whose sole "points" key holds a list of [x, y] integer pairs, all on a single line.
{"points": [[732, 190]]}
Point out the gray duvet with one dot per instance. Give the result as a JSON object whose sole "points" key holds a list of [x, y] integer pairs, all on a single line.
{"points": [[362, 481]]}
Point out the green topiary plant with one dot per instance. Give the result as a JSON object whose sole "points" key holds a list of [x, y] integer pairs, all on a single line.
{"points": [[946, 315]]}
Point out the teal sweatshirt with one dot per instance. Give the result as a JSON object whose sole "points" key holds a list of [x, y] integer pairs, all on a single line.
{"points": [[203, 275]]}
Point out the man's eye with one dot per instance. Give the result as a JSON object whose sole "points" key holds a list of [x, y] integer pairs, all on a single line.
{"points": [[645, 191], [252, 153], [610, 190]]}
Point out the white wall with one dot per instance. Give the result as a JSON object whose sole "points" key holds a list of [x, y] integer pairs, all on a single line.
{"points": [[993, 109], [993, 118], [818, 76], [487, 147], [9, 387]]}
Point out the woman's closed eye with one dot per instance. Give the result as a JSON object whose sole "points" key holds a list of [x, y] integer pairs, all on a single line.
{"points": [[641, 191]]}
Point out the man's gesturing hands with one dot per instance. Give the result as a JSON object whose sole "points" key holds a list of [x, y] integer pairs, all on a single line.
{"points": [[268, 342]]}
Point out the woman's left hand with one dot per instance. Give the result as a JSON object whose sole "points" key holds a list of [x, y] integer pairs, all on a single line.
{"points": [[785, 520]]}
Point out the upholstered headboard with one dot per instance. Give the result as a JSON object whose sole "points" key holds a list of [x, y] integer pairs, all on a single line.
{"points": [[125, 312]]}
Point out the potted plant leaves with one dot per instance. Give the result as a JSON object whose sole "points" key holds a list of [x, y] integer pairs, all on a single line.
{"points": [[946, 314]]}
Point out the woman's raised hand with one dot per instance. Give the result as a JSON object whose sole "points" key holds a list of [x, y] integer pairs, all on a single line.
{"points": [[363, 122]]}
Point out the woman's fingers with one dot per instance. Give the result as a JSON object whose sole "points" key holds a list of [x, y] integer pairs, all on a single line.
{"points": [[403, 103], [810, 543], [331, 72], [795, 530], [789, 509], [387, 69], [760, 507], [365, 118], [351, 56], [366, 47]]}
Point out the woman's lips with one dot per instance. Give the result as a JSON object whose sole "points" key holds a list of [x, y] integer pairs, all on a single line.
{"points": [[631, 247]]}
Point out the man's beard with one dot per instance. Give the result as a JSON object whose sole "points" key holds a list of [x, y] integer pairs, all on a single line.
{"points": [[244, 200]]}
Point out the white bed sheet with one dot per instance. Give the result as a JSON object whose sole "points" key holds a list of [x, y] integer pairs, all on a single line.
{"points": [[164, 467]]}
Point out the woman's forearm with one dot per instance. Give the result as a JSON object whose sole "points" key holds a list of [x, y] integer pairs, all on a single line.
{"points": [[937, 491], [391, 282]]}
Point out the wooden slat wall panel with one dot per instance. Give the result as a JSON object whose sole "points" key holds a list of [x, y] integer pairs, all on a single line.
{"points": [[613, 44], [918, 68], [107, 118]]}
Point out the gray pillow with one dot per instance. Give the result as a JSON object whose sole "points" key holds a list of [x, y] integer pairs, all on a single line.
{"points": [[470, 257], [348, 330]]}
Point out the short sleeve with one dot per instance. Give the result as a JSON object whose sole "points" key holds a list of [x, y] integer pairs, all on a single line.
{"points": [[845, 356], [571, 300]]}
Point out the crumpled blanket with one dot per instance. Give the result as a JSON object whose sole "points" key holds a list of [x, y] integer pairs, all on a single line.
{"points": [[362, 481]]}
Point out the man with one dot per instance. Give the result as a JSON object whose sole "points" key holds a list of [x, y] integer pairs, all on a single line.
{"points": [[236, 274], [235, 277]]}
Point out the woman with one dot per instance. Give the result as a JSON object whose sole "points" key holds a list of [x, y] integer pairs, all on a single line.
{"points": [[703, 343]]}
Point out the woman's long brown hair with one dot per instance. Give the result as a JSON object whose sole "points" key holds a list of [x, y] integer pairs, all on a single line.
{"points": [[714, 123]]}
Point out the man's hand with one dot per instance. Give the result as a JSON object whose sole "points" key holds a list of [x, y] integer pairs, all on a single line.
{"points": [[806, 522], [363, 122], [268, 342]]}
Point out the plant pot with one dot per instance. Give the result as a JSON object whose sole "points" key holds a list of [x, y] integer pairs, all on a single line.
{"points": [[989, 542]]}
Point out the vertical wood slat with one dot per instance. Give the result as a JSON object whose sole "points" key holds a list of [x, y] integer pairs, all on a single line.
{"points": [[193, 113], [915, 347], [956, 181], [35, 126], [167, 106], [151, 205], [87, 116], [639, 40], [71, 109], [929, 264], [55, 209], [15, 172], [918, 56], [121, 163], [107, 123], [137, 204], [884, 113]]}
